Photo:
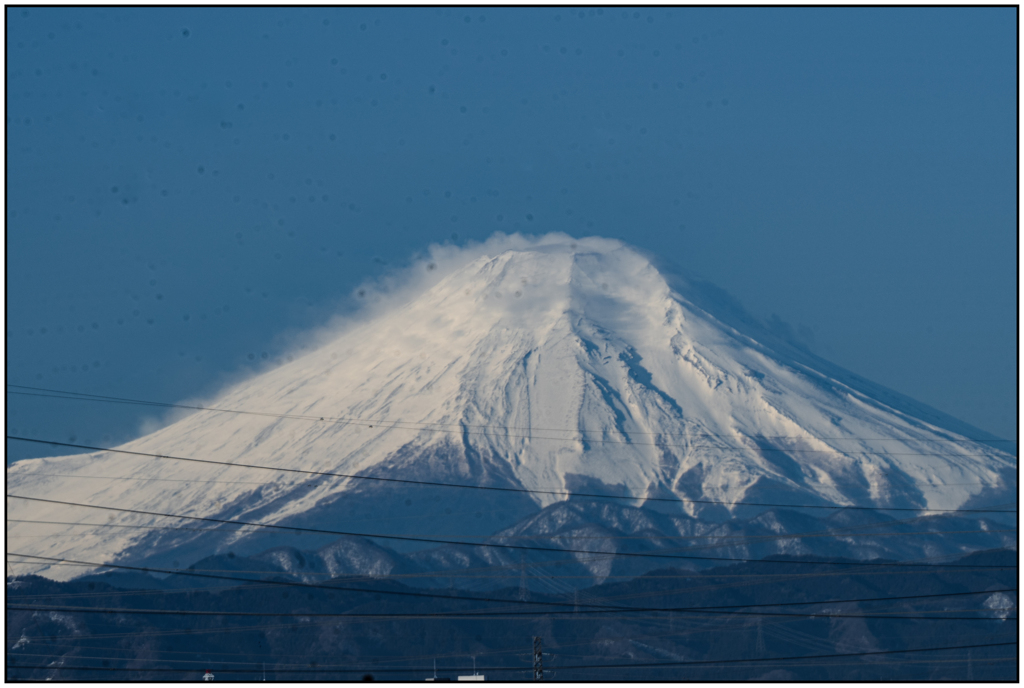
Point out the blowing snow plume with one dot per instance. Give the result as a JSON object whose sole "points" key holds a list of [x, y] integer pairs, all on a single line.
{"points": [[549, 365]]}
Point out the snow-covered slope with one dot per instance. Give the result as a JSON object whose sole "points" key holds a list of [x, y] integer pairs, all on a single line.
{"points": [[548, 364]]}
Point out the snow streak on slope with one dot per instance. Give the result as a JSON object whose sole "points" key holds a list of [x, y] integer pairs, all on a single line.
{"points": [[550, 364]]}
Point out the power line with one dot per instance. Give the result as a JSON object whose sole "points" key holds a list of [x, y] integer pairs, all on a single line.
{"points": [[593, 609], [221, 662], [734, 539], [635, 665], [84, 396], [157, 480], [781, 659], [274, 582], [328, 474], [252, 482], [700, 626], [439, 541], [763, 576], [517, 650], [829, 532], [462, 430], [462, 576], [257, 653], [730, 541], [597, 676], [492, 615], [570, 606], [619, 611], [257, 670]]}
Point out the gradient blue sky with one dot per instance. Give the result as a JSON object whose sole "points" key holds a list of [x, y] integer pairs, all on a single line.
{"points": [[187, 184]]}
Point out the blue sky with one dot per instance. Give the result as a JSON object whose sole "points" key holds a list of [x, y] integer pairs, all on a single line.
{"points": [[187, 185]]}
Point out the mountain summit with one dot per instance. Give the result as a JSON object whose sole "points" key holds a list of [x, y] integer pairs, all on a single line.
{"points": [[549, 364]]}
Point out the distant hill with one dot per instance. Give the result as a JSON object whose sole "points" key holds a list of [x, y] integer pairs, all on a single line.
{"points": [[670, 624]]}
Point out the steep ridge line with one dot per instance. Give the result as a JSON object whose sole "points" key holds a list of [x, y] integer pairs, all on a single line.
{"points": [[505, 489]]}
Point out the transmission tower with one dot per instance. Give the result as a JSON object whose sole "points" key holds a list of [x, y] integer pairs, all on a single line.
{"points": [[759, 647], [538, 660]]}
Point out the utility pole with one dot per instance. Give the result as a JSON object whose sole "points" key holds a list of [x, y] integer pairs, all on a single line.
{"points": [[538, 660]]}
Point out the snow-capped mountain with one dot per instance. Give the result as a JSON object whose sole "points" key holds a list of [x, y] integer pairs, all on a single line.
{"points": [[550, 364]]}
